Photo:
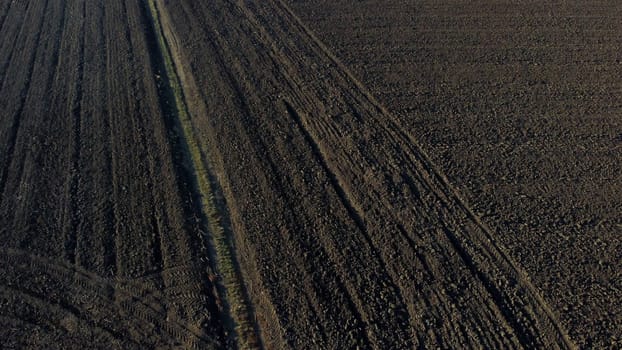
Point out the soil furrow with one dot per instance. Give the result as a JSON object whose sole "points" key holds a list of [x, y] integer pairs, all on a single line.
{"points": [[76, 111], [353, 212], [17, 115], [42, 303], [488, 243]]}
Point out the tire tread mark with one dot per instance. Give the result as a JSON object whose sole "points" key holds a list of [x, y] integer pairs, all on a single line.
{"points": [[43, 302], [127, 298], [263, 152], [403, 315]]}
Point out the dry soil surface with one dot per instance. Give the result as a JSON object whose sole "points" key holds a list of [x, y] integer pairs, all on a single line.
{"points": [[460, 194]]}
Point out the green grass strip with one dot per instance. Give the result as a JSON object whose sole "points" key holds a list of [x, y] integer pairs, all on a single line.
{"points": [[234, 297]]}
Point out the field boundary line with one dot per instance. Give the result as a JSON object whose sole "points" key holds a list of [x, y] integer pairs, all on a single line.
{"points": [[235, 305]]}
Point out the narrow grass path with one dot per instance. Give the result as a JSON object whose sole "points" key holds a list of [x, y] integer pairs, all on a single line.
{"points": [[236, 308]]}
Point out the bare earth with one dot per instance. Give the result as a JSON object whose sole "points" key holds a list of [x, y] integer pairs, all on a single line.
{"points": [[520, 105], [307, 174]]}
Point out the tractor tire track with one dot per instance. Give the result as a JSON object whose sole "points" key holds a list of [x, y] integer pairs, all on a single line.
{"points": [[95, 299]]}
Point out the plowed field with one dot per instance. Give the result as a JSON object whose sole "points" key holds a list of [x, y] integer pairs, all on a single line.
{"points": [[214, 174], [519, 104], [99, 243]]}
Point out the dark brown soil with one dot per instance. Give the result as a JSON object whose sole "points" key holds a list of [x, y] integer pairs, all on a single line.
{"points": [[519, 104], [345, 232], [99, 247]]}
